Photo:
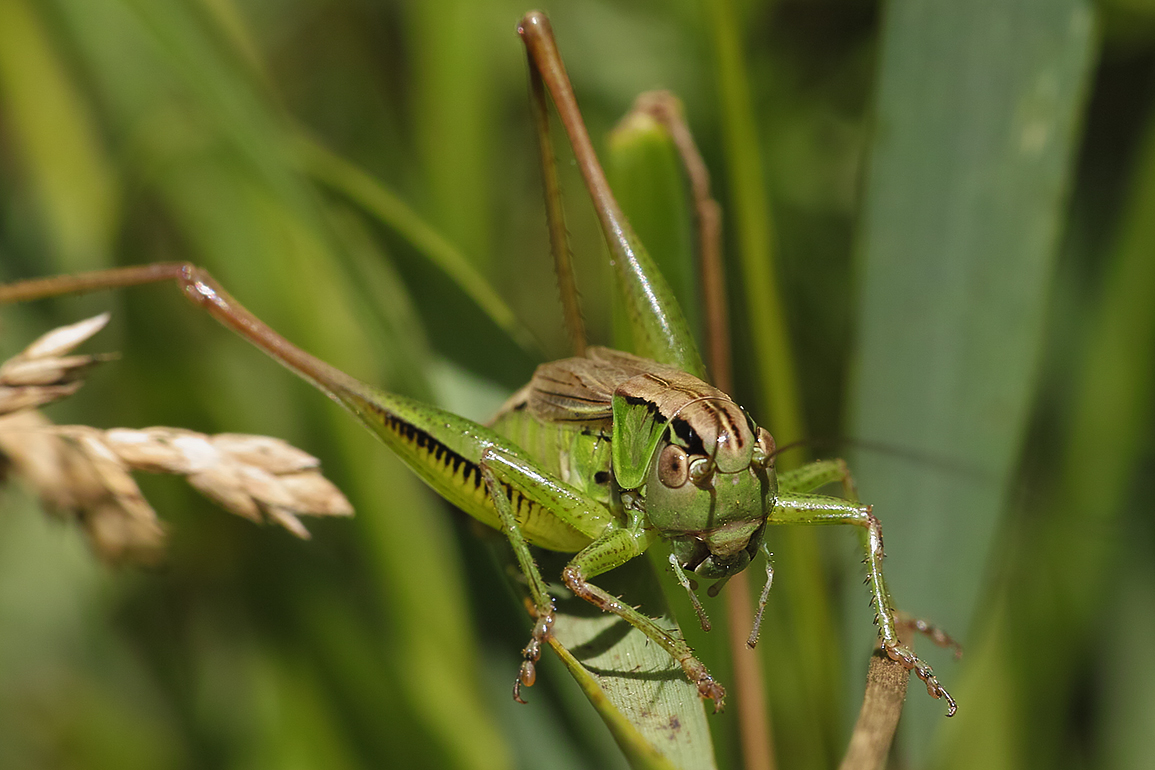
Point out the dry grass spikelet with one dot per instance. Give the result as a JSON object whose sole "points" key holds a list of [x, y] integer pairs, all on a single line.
{"points": [[248, 475], [87, 473], [79, 477], [43, 372]]}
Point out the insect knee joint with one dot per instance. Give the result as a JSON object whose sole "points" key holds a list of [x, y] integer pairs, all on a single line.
{"points": [[575, 581]]}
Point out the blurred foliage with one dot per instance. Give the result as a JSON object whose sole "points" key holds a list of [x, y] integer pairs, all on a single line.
{"points": [[957, 199]]}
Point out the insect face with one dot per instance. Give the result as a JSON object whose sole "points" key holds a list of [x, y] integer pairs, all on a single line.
{"points": [[713, 517]]}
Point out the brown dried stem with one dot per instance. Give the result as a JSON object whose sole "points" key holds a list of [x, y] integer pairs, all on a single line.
{"points": [[886, 683], [666, 109]]}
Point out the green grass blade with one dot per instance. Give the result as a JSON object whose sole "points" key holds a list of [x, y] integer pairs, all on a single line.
{"points": [[50, 123], [753, 225], [976, 118], [803, 694], [1129, 710], [232, 198], [650, 183], [652, 710], [383, 204], [639, 752], [1071, 544], [454, 46], [642, 166]]}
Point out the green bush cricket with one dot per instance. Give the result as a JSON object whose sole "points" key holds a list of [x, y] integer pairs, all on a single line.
{"points": [[600, 455]]}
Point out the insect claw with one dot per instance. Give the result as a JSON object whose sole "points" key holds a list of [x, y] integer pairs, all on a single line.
{"points": [[542, 629], [517, 692], [952, 707], [527, 674], [708, 688], [907, 660]]}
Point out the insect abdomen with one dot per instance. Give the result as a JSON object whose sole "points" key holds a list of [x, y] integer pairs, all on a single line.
{"points": [[449, 464]]}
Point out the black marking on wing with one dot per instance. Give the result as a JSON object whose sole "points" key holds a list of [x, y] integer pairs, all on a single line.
{"points": [[641, 401]]}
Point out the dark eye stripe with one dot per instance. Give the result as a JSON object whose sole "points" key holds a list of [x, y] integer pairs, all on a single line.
{"points": [[684, 431]]}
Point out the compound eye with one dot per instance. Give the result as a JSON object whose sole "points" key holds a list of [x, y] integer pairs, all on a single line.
{"points": [[673, 466]]}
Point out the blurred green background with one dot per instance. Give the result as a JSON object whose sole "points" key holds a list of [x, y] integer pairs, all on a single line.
{"points": [[955, 200]]}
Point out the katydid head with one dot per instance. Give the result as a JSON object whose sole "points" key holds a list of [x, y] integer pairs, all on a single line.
{"points": [[709, 492], [703, 468]]}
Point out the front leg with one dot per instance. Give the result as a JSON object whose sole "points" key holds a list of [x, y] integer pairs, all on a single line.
{"points": [[813, 476], [820, 509], [612, 549]]}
